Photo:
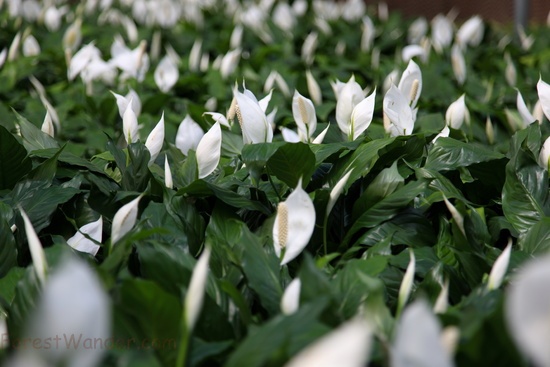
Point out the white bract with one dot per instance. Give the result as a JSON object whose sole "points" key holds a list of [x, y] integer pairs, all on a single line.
{"points": [[354, 112], [407, 283], [189, 135], [471, 32], [499, 268], [398, 112], [84, 244], [527, 117], [252, 119], [130, 125], [195, 292], [349, 345], [166, 74], [209, 151], [304, 115], [35, 248], [47, 125], [458, 63], [313, 88], [410, 83], [457, 113], [155, 140], [168, 182], [528, 310], [290, 302], [442, 32], [337, 191], [294, 224], [125, 219], [543, 90], [544, 155]]}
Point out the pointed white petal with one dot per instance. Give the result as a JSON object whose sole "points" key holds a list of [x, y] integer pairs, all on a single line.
{"points": [[81, 243], [459, 64], [155, 140], [442, 301], [456, 113], [291, 297], [410, 84], [253, 121], [196, 289], [396, 108], [313, 89], [361, 117], [166, 74], [443, 134], [220, 118], [121, 102], [168, 182], [458, 218], [47, 125], [304, 115], [544, 155], [337, 191], [290, 135], [125, 219], [543, 90], [349, 345], [130, 125], [407, 283], [264, 102], [209, 151], [35, 248], [349, 97], [321, 136], [499, 268], [189, 135]]}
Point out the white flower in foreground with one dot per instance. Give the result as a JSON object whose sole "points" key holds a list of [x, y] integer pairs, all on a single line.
{"points": [[458, 63], [313, 88], [73, 305], [442, 32], [189, 135], [304, 115], [471, 32], [543, 90], [294, 224], [196, 289], [47, 125], [499, 268], [337, 191], [155, 140], [81, 243], [544, 155], [168, 182], [349, 345], [31, 46], [125, 219], [527, 310], [398, 112], [527, 117], [410, 83], [35, 248], [406, 284], [166, 74], [130, 125], [457, 113], [252, 119], [290, 302], [418, 339], [209, 151]]}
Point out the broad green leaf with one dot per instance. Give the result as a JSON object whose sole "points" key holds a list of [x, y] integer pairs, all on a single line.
{"points": [[14, 163], [68, 158], [46, 170], [449, 154], [536, 239], [291, 162], [33, 137]]}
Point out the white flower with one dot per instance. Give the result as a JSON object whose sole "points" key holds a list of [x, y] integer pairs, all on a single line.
{"points": [[471, 32], [3, 57], [196, 289], [73, 36], [313, 88], [418, 339], [457, 113], [398, 112], [195, 55], [337, 191], [236, 37], [35, 248], [369, 32], [458, 63], [349, 345], [168, 182], [442, 32], [417, 30], [290, 302], [125, 219], [189, 135], [166, 74], [304, 115], [13, 51], [457, 217], [81, 243], [209, 151], [275, 78], [499, 268], [543, 90], [47, 125], [81, 60], [406, 284], [544, 155], [354, 112], [442, 301], [294, 224], [443, 134], [527, 310], [31, 46], [489, 131], [155, 140], [252, 119], [229, 62], [130, 124], [134, 63], [290, 136], [308, 48], [218, 117], [527, 117], [122, 102], [411, 51], [410, 83], [510, 72], [284, 18], [52, 18]]}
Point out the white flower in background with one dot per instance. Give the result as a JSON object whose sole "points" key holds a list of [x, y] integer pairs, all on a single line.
{"points": [[442, 301], [3, 57], [489, 131], [82, 243], [35, 248], [125, 219], [209, 151], [526, 41], [308, 48], [352, 10], [417, 30], [72, 304], [304, 115], [340, 48], [442, 32], [457, 113], [81, 60], [410, 83], [255, 18], [166, 74], [406, 284], [458, 63], [527, 310], [31, 10], [130, 125], [471, 32], [229, 62], [130, 28], [457, 217], [349, 345], [196, 289], [354, 112], [31, 46], [299, 7], [544, 155], [313, 89], [398, 113], [168, 182], [275, 78], [52, 18], [411, 51], [443, 134], [13, 51], [133, 63], [189, 135], [336, 192], [290, 302], [122, 102], [73, 36], [236, 39], [294, 224], [369, 32], [195, 55], [45, 102], [418, 340], [47, 125], [543, 90], [499, 268], [510, 72], [252, 119], [391, 79], [155, 140], [527, 117], [284, 18], [383, 11], [323, 26], [218, 117]]}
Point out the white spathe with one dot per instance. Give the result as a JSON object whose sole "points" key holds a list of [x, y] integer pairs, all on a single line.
{"points": [[195, 292], [155, 140], [82, 243], [189, 135], [125, 219], [209, 151], [398, 111]]}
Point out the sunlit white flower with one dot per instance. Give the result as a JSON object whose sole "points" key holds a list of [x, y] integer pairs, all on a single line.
{"points": [[471, 32], [313, 89], [35, 248], [349, 345], [89, 245], [130, 125], [418, 339], [457, 113], [166, 74], [155, 140], [209, 151], [458, 63], [543, 90], [527, 310], [252, 119], [291, 297], [354, 112], [398, 113], [499, 268], [442, 32], [197, 287], [294, 224], [189, 135], [124, 219]]}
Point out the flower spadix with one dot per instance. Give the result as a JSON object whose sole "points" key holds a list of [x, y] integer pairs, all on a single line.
{"points": [[294, 224], [124, 219]]}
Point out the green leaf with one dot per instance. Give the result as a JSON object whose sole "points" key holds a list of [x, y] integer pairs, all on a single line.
{"points": [[67, 158], [46, 170], [449, 154], [537, 238], [14, 163], [33, 137], [291, 162], [8, 283]]}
